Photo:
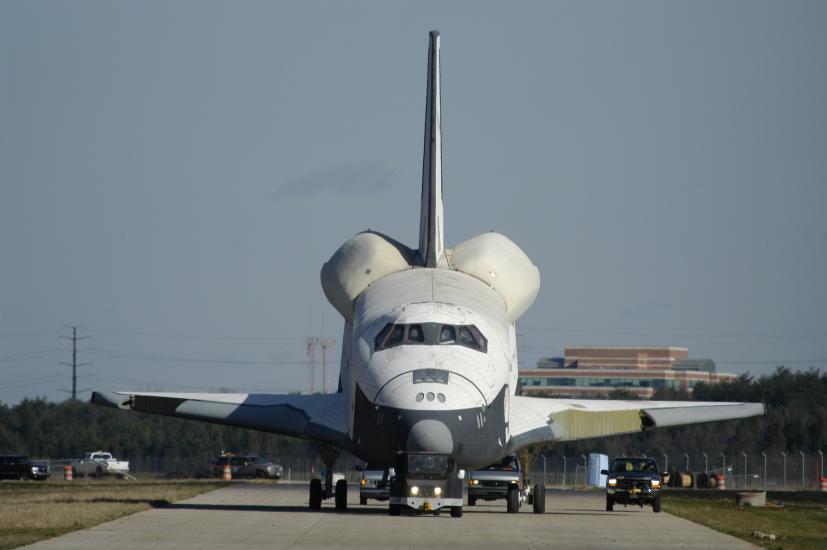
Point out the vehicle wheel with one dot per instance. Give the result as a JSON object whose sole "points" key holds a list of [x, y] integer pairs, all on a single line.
{"points": [[472, 501], [341, 494], [512, 500], [456, 511], [261, 475], [656, 505], [363, 501], [316, 494], [395, 509], [610, 504], [98, 473], [538, 500]]}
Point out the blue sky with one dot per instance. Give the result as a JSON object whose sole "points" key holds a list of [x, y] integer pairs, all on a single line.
{"points": [[174, 174]]}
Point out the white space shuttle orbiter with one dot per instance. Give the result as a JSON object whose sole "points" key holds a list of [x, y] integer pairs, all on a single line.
{"points": [[429, 353]]}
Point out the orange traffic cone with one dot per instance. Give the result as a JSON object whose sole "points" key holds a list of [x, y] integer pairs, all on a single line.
{"points": [[228, 474]]}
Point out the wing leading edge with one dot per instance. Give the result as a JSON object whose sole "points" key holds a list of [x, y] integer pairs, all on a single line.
{"points": [[538, 420], [320, 417]]}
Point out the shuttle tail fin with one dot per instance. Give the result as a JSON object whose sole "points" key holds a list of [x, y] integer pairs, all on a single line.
{"points": [[431, 244]]}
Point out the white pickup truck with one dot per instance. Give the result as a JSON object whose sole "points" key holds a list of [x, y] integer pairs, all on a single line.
{"points": [[100, 464]]}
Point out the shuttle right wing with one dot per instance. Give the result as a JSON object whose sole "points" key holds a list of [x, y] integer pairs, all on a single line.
{"points": [[538, 420]]}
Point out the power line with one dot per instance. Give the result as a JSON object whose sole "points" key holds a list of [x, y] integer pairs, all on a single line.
{"points": [[195, 336], [140, 356]]}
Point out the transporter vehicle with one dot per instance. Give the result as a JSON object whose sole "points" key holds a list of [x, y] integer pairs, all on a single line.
{"points": [[501, 480], [633, 481], [99, 464], [20, 467], [373, 484], [426, 482], [247, 466], [429, 365]]}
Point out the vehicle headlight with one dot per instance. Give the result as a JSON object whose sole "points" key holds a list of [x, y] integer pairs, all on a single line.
{"points": [[655, 483], [414, 490], [35, 469], [364, 482], [475, 482], [437, 491], [612, 482]]}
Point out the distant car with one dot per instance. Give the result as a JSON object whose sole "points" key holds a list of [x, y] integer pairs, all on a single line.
{"points": [[373, 484], [247, 466], [20, 467], [633, 480], [501, 480]]}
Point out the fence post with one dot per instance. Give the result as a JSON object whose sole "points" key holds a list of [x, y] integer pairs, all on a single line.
{"points": [[821, 469], [785, 468], [665, 462], [723, 467], [803, 482], [687, 461], [765, 468], [564, 472], [746, 478], [585, 468], [706, 461]]}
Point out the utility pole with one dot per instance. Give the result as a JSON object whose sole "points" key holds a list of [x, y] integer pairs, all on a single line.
{"points": [[312, 342], [326, 344], [74, 364]]}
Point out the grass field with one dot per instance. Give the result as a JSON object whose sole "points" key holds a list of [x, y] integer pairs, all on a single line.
{"points": [[801, 524], [32, 511]]}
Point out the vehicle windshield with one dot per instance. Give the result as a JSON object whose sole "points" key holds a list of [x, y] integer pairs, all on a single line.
{"points": [[634, 465], [259, 460], [427, 466], [508, 464]]}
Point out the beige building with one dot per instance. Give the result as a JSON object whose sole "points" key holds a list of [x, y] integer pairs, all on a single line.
{"points": [[597, 371]]}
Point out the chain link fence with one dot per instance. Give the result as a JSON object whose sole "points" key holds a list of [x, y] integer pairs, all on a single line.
{"points": [[766, 470]]}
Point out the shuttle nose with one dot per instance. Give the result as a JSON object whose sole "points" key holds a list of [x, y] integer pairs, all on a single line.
{"points": [[430, 435]]}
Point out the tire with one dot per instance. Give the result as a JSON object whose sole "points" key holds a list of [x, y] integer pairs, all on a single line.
{"points": [[472, 501], [98, 473], [539, 500], [316, 494], [261, 475], [456, 511], [363, 501], [656, 505], [394, 509], [610, 504], [512, 500], [340, 494]]}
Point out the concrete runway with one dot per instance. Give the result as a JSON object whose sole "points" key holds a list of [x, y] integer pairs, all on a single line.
{"points": [[251, 516]]}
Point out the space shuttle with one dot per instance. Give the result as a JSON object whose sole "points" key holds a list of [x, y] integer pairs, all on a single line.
{"points": [[429, 359]]}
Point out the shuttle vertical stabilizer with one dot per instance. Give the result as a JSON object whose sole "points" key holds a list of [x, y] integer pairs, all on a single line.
{"points": [[431, 243]]}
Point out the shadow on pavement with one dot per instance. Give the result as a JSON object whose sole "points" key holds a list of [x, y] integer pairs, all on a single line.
{"points": [[274, 508]]}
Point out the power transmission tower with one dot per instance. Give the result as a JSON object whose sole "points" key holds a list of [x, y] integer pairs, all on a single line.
{"points": [[326, 344], [312, 342], [74, 364]]}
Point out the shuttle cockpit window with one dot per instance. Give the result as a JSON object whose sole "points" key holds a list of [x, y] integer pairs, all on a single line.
{"points": [[448, 335], [430, 334], [415, 334]]}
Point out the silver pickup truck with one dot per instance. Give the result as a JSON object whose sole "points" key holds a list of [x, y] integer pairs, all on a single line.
{"points": [[502, 480]]}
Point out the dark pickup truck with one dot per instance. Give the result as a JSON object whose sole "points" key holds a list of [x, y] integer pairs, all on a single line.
{"points": [[20, 467], [633, 480]]}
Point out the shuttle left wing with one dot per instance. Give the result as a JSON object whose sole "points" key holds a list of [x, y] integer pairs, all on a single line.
{"points": [[537, 420], [322, 417]]}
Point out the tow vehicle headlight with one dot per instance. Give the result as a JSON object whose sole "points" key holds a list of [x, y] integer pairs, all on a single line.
{"points": [[612, 482], [364, 482], [414, 490], [437, 491], [655, 483], [475, 482]]}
